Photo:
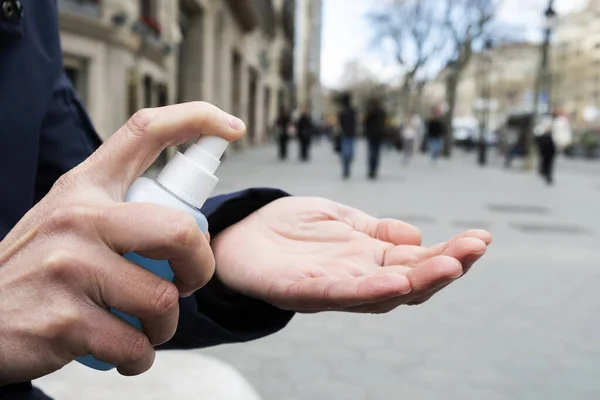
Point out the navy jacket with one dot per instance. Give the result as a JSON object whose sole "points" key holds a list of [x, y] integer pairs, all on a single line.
{"points": [[45, 131]]}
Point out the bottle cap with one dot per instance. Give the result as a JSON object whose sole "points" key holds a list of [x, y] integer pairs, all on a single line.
{"points": [[190, 176]]}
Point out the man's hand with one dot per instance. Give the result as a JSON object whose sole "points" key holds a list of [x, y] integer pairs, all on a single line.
{"points": [[61, 265], [310, 255]]}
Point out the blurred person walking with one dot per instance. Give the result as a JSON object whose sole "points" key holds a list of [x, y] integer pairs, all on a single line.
{"points": [[553, 134], [305, 129], [512, 145], [347, 126], [436, 132], [282, 125], [410, 132], [375, 129]]}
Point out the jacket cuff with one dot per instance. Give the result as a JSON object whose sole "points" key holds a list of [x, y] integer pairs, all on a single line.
{"points": [[236, 318]]}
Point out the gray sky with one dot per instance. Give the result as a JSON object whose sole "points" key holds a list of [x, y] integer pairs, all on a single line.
{"points": [[347, 35]]}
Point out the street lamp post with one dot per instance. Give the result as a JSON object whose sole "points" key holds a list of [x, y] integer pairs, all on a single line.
{"points": [[486, 101], [543, 79], [451, 78]]}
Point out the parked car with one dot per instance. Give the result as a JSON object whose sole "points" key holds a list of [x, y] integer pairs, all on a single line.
{"points": [[466, 133]]}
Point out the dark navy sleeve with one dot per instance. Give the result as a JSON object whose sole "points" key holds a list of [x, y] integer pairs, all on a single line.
{"points": [[216, 315], [67, 137]]}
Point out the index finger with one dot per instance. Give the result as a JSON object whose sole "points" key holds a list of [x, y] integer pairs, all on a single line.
{"points": [[136, 145], [387, 230]]}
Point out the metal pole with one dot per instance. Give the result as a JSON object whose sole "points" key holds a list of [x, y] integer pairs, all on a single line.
{"points": [[486, 103], [541, 83]]}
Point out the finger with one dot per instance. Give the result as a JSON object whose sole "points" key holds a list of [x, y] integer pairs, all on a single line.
{"points": [[470, 241], [154, 301], [160, 233], [327, 293], [467, 261], [111, 340], [433, 273], [480, 234], [467, 250], [387, 230], [134, 147]]}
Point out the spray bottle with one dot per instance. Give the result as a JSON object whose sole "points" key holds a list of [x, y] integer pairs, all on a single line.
{"points": [[185, 183]]}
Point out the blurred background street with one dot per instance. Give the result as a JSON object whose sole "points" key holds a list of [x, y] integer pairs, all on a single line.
{"points": [[521, 325], [462, 113]]}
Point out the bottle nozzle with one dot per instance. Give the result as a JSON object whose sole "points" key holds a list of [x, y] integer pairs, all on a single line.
{"points": [[213, 145], [190, 176]]}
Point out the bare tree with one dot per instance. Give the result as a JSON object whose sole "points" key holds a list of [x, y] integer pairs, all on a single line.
{"points": [[413, 31], [467, 23]]}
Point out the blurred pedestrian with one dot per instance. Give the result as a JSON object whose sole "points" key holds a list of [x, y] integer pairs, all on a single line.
{"points": [[347, 126], [561, 131], [282, 125], [410, 132], [305, 129], [375, 129], [553, 134], [436, 132], [546, 148]]}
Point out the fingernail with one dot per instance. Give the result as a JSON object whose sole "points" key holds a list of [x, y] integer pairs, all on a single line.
{"points": [[236, 124]]}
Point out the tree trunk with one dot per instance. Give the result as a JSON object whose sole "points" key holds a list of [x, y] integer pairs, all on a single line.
{"points": [[451, 90], [405, 101]]}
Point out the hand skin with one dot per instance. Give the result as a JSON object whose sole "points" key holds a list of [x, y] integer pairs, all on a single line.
{"points": [[61, 265], [311, 255]]}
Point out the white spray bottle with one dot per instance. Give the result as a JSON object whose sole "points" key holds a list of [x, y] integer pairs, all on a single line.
{"points": [[185, 183]]}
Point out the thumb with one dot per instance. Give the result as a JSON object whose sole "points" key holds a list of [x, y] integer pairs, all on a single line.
{"points": [[134, 147]]}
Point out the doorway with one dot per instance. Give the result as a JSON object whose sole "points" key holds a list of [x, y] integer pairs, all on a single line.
{"points": [[252, 93], [191, 60], [267, 113]]}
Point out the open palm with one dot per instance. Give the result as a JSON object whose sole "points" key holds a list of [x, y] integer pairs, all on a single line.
{"points": [[312, 254]]}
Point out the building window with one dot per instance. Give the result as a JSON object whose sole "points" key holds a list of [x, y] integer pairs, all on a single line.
{"points": [[148, 92], [149, 16], [132, 92], [148, 9]]}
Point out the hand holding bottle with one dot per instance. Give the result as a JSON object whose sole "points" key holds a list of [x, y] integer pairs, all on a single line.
{"points": [[61, 266]]}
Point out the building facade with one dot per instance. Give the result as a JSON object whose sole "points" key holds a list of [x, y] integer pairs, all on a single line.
{"points": [[308, 56], [510, 72], [120, 56], [123, 55], [575, 64]]}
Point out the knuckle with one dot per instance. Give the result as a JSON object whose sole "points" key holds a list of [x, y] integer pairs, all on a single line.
{"points": [[61, 323], [209, 271], [166, 298], [62, 264], [64, 181], [184, 231], [68, 216], [136, 347], [203, 106], [139, 121]]}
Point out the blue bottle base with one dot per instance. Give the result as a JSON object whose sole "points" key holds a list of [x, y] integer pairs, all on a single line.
{"points": [[158, 267]]}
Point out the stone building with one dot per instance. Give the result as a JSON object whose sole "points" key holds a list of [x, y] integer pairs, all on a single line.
{"points": [[575, 63], [120, 56], [123, 55], [308, 60], [510, 71]]}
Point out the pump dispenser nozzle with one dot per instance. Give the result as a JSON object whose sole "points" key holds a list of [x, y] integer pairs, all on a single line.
{"points": [[190, 176]]}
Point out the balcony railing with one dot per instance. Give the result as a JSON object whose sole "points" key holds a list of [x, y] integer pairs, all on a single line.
{"points": [[252, 13], [90, 8]]}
